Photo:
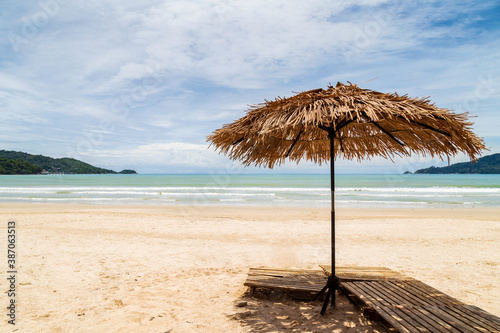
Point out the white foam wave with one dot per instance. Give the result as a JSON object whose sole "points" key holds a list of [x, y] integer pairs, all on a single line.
{"points": [[421, 189]]}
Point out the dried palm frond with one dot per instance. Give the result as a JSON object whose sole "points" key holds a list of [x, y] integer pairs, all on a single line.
{"points": [[363, 122]]}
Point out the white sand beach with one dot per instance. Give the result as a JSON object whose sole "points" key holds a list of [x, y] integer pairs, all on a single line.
{"points": [[181, 269]]}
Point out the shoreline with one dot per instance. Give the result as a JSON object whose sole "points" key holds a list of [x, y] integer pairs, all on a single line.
{"points": [[153, 268], [484, 213]]}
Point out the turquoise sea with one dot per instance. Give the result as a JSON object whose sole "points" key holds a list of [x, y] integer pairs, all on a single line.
{"points": [[256, 190]]}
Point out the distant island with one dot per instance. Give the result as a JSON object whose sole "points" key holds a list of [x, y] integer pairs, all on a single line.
{"points": [[484, 165], [19, 163]]}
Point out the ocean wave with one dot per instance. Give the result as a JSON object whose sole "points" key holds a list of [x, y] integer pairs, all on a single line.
{"points": [[351, 192], [421, 189]]}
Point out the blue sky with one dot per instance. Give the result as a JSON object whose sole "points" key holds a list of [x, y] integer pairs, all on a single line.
{"points": [[127, 84]]}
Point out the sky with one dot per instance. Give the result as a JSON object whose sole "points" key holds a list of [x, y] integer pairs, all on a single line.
{"points": [[139, 85]]}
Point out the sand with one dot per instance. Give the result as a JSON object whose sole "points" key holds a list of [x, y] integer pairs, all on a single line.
{"points": [[181, 269]]}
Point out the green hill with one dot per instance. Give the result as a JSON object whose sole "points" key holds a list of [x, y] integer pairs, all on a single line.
{"points": [[52, 165], [17, 167], [485, 165]]}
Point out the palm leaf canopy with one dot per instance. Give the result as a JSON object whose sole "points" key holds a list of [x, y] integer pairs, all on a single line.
{"points": [[363, 122]]}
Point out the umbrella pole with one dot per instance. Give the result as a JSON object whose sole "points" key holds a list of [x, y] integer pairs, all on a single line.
{"points": [[333, 282], [332, 220]]}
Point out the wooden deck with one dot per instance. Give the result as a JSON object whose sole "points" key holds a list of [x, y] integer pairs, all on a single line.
{"points": [[400, 302], [291, 280], [413, 306]]}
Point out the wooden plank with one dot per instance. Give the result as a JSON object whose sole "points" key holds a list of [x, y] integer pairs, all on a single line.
{"points": [[283, 279], [475, 319], [347, 273], [391, 304], [305, 278], [394, 295], [400, 298], [353, 288], [264, 284], [382, 304], [401, 305], [417, 297], [438, 319], [483, 313], [435, 319], [282, 273], [430, 322], [353, 298], [287, 271], [454, 307], [290, 279], [452, 320], [285, 286], [420, 301], [372, 302], [492, 320], [466, 318], [451, 309], [419, 288], [422, 315], [404, 292], [369, 300], [392, 319], [271, 285]]}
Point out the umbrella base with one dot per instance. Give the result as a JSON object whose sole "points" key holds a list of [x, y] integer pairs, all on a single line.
{"points": [[332, 285]]}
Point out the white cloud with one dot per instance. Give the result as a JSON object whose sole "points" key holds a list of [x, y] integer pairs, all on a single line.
{"points": [[166, 155], [173, 71], [154, 148]]}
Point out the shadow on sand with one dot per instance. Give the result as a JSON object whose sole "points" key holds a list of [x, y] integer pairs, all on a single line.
{"points": [[273, 311]]}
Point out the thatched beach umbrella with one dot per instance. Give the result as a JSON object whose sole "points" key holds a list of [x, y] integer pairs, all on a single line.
{"points": [[344, 121]]}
